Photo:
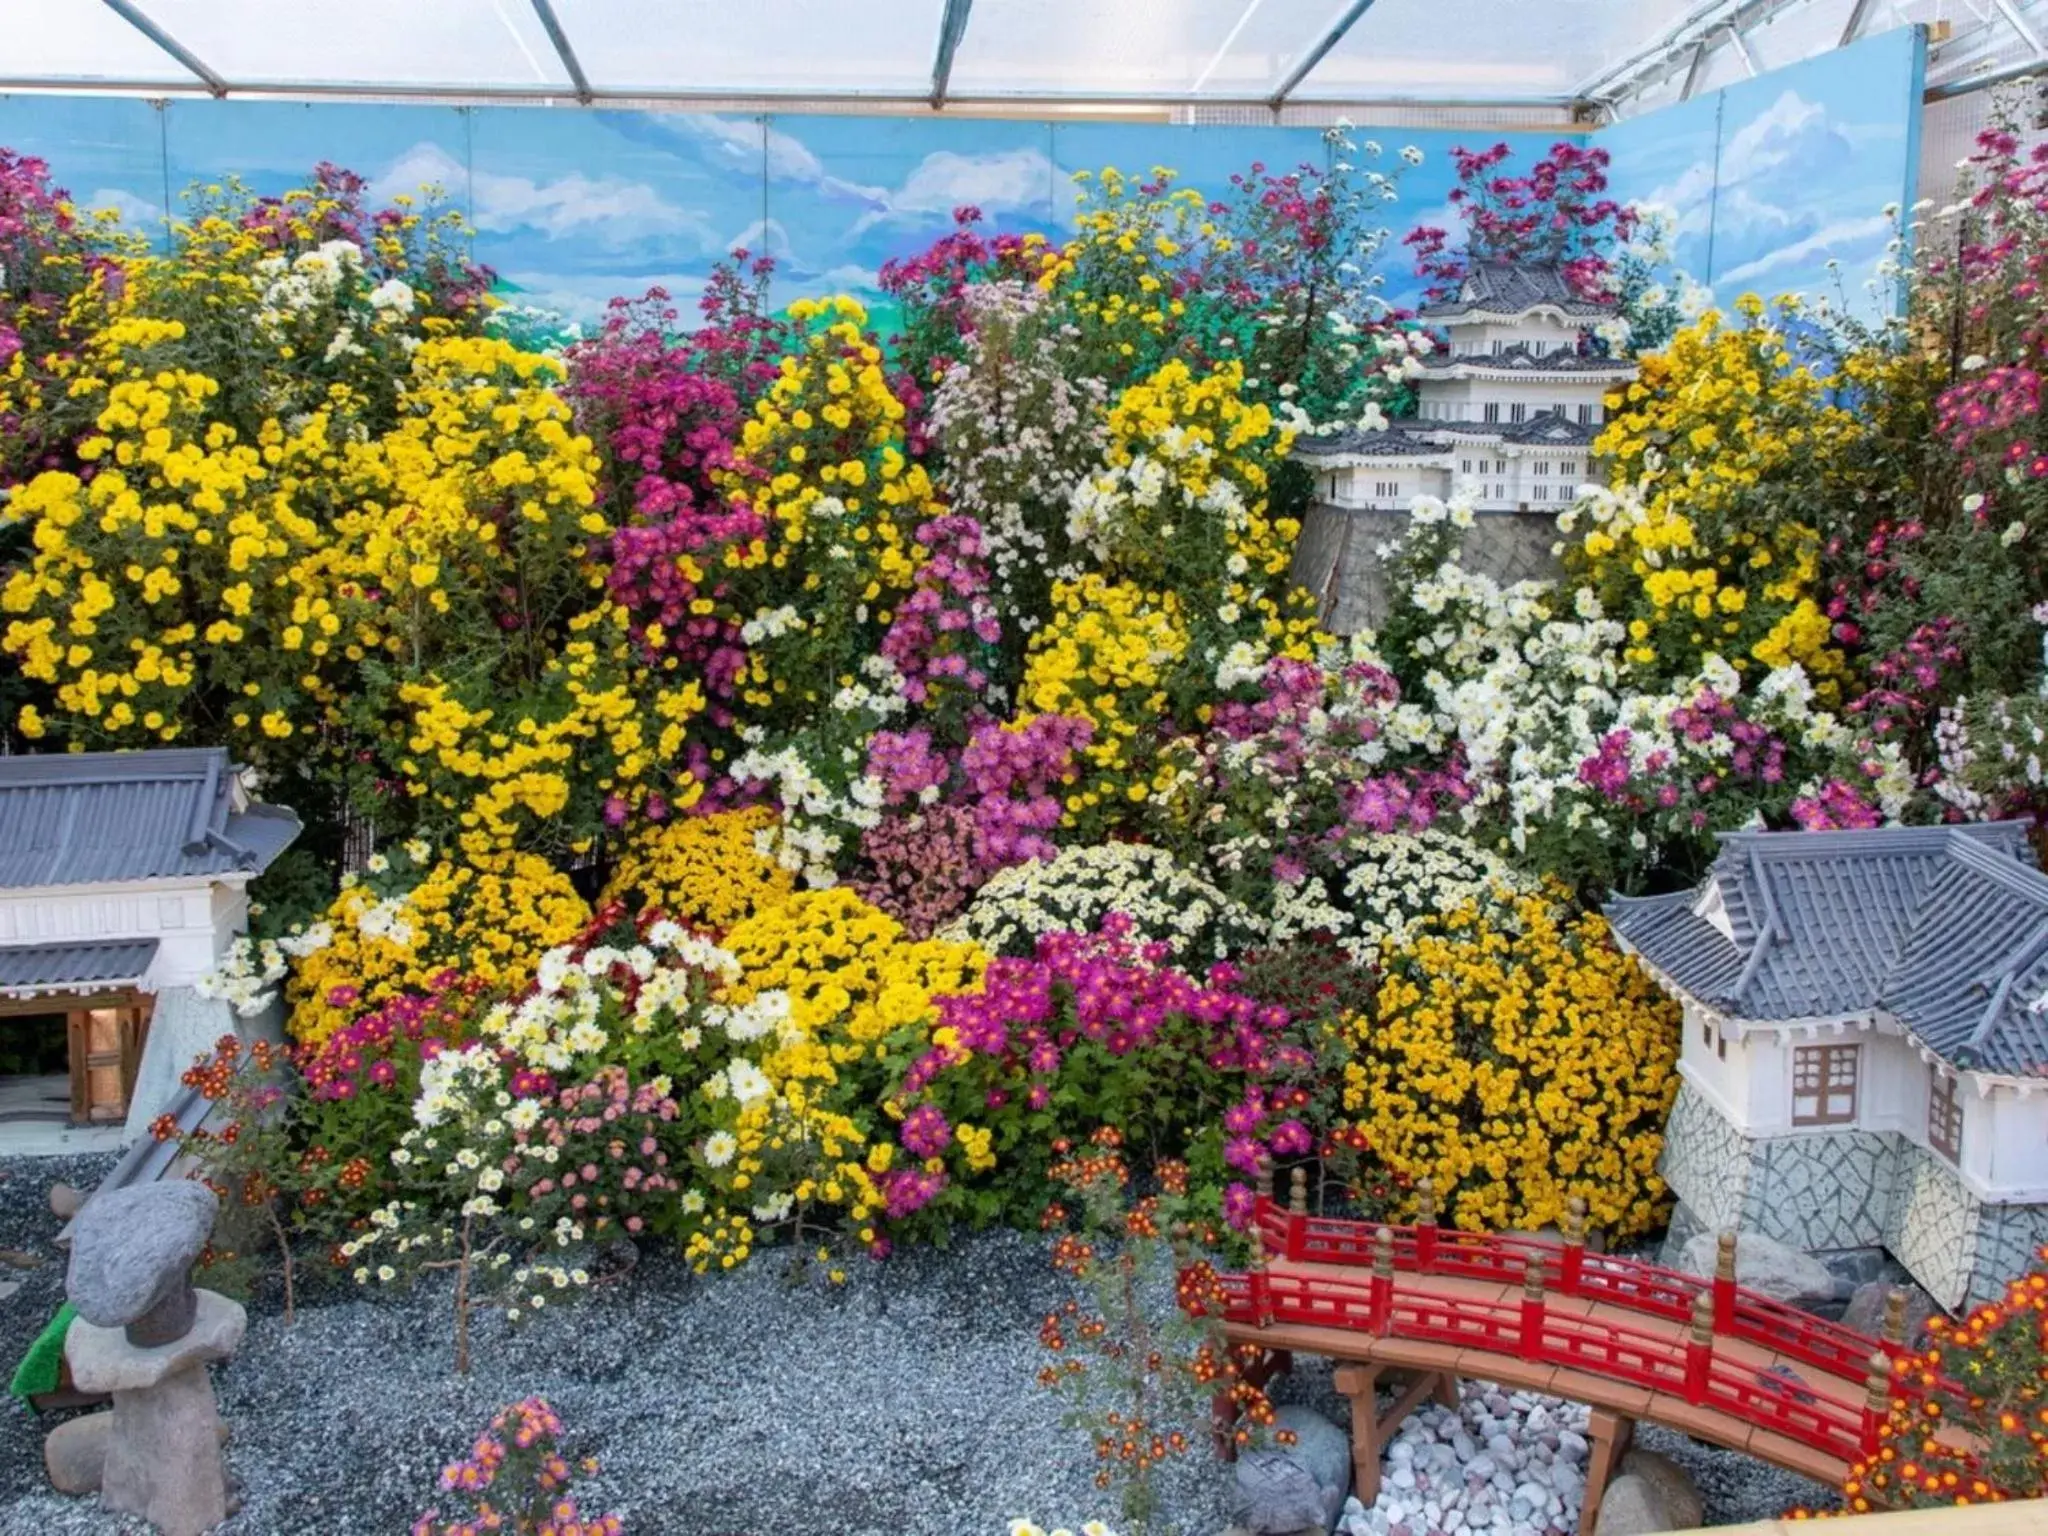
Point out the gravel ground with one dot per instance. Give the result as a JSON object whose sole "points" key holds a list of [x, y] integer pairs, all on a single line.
{"points": [[903, 1404]]}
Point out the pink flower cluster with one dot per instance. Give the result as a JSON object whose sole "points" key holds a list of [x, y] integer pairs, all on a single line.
{"points": [[932, 638], [1103, 991], [1012, 776], [1835, 807], [367, 1052], [602, 1136], [1555, 213], [518, 1479]]}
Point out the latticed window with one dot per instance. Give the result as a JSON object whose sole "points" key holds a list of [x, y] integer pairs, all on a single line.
{"points": [[1944, 1116], [1824, 1084]]}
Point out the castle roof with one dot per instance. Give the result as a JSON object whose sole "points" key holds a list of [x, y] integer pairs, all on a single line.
{"points": [[1943, 928], [85, 818], [1403, 441], [1498, 287], [1426, 439], [1521, 358]]}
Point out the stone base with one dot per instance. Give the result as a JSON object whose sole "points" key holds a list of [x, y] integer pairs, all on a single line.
{"points": [[75, 1453], [163, 1456]]}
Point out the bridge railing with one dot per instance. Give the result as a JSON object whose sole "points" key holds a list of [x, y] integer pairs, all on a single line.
{"points": [[1288, 1231], [1358, 1290]]}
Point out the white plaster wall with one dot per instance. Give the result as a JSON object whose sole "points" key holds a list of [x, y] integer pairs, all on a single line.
{"points": [[192, 921], [1550, 328], [1725, 1083], [2016, 1131]]}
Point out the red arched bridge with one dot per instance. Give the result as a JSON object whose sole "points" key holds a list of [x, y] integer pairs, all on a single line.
{"points": [[1631, 1340]]}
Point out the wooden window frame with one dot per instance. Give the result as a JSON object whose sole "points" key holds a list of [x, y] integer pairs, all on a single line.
{"points": [[1814, 1078], [1944, 1115]]}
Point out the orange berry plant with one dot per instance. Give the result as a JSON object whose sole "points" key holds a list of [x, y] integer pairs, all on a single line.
{"points": [[1969, 1415], [1142, 1371]]}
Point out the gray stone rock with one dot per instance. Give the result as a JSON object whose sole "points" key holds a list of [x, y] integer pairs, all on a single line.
{"points": [[65, 1201], [1630, 1507], [1866, 1309], [102, 1359], [1300, 1487], [75, 1452], [1763, 1264], [1672, 1485], [132, 1252]]}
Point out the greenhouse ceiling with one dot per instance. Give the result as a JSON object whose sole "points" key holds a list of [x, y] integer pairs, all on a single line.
{"points": [[1587, 58]]}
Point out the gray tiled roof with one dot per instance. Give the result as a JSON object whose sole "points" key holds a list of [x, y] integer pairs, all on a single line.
{"points": [[1943, 928], [1351, 442], [98, 962], [1550, 427], [1512, 288], [1520, 359], [81, 818]]}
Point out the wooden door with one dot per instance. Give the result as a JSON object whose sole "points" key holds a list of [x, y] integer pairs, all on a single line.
{"points": [[106, 1054]]}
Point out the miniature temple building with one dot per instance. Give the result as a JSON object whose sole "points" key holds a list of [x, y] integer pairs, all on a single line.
{"points": [[123, 881], [1865, 1062], [1507, 411]]}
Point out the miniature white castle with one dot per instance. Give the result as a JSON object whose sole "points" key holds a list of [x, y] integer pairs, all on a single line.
{"points": [[1865, 1060], [1507, 410]]}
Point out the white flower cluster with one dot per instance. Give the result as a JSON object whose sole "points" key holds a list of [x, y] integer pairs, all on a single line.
{"points": [[818, 822], [1392, 881], [1073, 892], [247, 977], [562, 1023], [1021, 430]]}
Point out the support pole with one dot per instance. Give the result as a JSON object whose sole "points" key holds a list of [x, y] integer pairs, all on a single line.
{"points": [[1297, 1213], [1425, 1223], [1699, 1349], [1532, 1309], [1724, 1283], [1611, 1435]]}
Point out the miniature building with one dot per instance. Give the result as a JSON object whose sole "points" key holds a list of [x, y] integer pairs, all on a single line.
{"points": [[1865, 1061], [1507, 411], [123, 880]]}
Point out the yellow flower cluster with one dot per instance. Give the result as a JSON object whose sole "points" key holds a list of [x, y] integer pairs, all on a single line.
{"points": [[1106, 656], [853, 977], [1116, 274], [854, 980], [830, 474], [1517, 1058], [1718, 451], [488, 920], [707, 871], [171, 568]]}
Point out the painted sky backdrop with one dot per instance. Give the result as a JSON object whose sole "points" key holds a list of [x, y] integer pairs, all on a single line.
{"points": [[1771, 178]]}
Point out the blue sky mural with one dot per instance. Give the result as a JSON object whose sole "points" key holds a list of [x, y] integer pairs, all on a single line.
{"points": [[1775, 177], [1770, 178]]}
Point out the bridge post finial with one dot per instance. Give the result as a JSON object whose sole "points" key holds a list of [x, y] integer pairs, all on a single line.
{"points": [[1297, 1193], [1703, 1318], [1895, 1316], [1533, 1276], [1264, 1179], [1574, 1256], [1425, 1201], [1724, 1256], [1381, 1297], [1877, 1400]]}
